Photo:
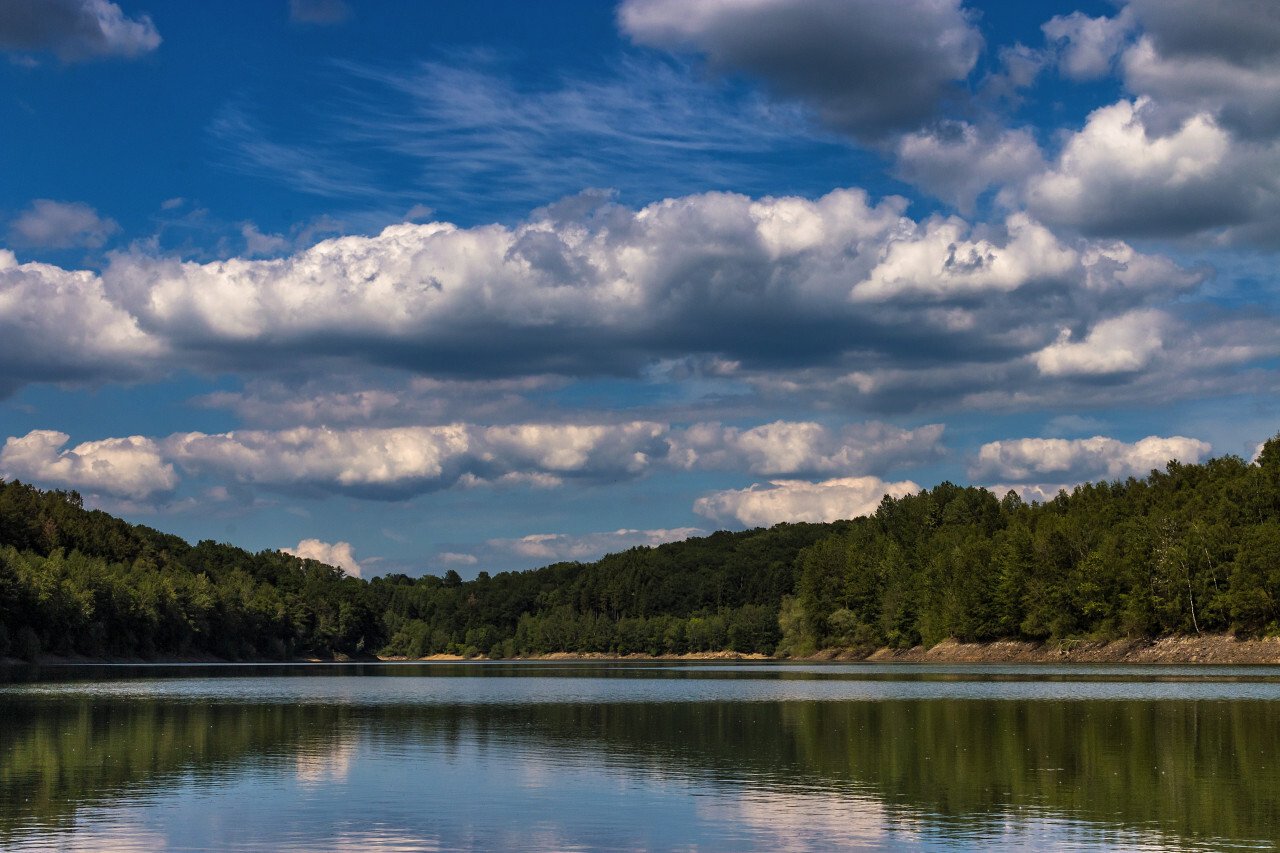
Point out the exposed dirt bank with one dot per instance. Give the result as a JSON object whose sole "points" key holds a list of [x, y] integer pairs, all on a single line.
{"points": [[642, 656], [601, 656], [63, 660], [1210, 648]]}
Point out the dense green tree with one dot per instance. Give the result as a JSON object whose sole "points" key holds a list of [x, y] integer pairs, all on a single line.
{"points": [[1191, 548]]}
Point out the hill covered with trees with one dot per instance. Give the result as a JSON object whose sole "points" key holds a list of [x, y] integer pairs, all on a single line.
{"points": [[1190, 549]]}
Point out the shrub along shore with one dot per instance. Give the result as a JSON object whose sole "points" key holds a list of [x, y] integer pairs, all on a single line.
{"points": [[1181, 565]]}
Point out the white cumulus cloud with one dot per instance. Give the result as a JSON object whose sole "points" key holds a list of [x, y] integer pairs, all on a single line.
{"points": [[75, 30], [339, 554], [790, 447], [799, 500], [453, 558], [1196, 150], [132, 467], [1222, 58], [417, 457], [59, 325], [396, 462], [958, 162], [551, 547], [1116, 345], [1077, 460], [946, 258], [1038, 492], [408, 460], [1088, 47], [868, 67], [1116, 176], [795, 284], [61, 225]]}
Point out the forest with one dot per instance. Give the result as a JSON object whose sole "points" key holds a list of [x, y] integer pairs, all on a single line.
{"points": [[1186, 550]]}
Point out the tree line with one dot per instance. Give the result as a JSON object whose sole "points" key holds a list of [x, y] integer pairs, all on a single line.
{"points": [[1189, 549]]}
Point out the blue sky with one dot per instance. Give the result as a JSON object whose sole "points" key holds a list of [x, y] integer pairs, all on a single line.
{"points": [[407, 287]]}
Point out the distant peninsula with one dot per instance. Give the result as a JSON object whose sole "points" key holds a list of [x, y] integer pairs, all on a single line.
{"points": [[1180, 566]]}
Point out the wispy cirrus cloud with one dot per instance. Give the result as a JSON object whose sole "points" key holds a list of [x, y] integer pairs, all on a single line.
{"points": [[319, 12], [309, 167], [464, 132]]}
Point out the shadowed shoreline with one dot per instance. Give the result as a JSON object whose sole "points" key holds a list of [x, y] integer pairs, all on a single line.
{"points": [[1205, 649]]}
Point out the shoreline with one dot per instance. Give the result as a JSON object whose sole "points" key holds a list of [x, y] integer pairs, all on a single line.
{"points": [[1203, 649], [600, 656], [1206, 649]]}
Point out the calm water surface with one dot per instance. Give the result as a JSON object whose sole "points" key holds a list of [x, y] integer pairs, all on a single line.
{"points": [[638, 756]]}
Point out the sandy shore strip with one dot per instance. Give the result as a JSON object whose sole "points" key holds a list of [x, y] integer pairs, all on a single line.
{"points": [[1204, 649], [1208, 648]]}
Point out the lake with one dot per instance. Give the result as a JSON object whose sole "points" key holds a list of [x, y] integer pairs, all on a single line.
{"points": [[551, 756]]}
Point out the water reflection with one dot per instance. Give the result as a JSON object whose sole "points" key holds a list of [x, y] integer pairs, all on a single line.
{"points": [[404, 762]]}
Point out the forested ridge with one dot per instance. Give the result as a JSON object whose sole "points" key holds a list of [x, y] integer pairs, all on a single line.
{"points": [[1189, 549]]}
